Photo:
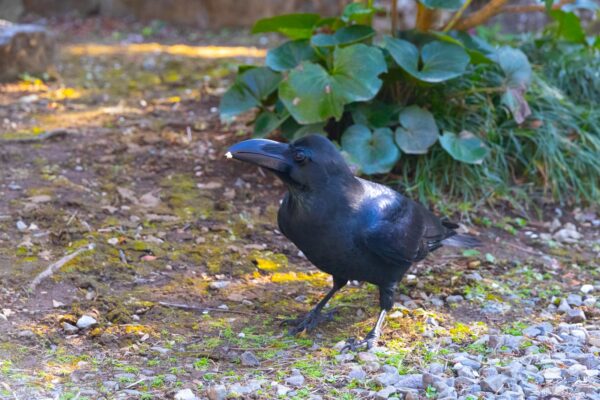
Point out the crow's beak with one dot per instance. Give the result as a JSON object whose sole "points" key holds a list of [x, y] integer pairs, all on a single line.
{"points": [[262, 152]]}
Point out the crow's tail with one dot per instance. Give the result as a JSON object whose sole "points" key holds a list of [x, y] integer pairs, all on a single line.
{"points": [[462, 241]]}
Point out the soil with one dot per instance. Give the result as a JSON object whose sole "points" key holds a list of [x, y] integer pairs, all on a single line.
{"points": [[137, 169]]}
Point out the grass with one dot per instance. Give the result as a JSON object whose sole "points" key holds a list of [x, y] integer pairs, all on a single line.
{"points": [[552, 156]]}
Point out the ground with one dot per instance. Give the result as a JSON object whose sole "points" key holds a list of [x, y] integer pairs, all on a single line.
{"points": [[121, 148]]}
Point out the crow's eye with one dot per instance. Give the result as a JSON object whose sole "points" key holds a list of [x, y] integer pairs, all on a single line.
{"points": [[299, 156]]}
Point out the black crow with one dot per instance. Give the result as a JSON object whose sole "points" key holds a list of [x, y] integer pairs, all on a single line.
{"points": [[346, 226]]}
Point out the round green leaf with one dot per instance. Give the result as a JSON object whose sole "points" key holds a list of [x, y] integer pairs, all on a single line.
{"points": [[261, 81], [516, 67], [375, 152], [266, 122], [236, 100], [357, 12], [466, 147], [344, 36], [313, 94], [417, 131], [289, 55], [437, 61], [444, 4]]}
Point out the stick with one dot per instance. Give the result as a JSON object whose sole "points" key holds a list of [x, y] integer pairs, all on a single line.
{"points": [[57, 265], [202, 309]]}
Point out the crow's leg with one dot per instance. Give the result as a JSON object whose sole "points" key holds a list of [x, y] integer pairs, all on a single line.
{"points": [[386, 302], [315, 316]]}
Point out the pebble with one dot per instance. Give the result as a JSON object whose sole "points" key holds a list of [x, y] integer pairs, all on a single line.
{"points": [[248, 359], [575, 316], [564, 306], [551, 374], [282, 390], [412, 381], [493, 383], [216, 285], [185, 394], [295, 380], [587, 288], [71, 329], [574, 300], [21, 225], [454, 299], [386, 392], [110, 385], [387, 378], [85, 321], [367, 357], [358, 374], [218, 392]]}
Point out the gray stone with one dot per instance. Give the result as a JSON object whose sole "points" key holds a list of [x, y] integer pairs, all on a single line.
{"points": [[587, 288], [574, 300], [575, 316], [467, 361], [217, 285], [532, 331], [125, 376], [488, 371], [24, 49], [218, 392], [466, 372], [185, 394], [436, 368], [68, 328], [493, 383], [412, 381], [436, 381], [552, 374], [110, 385], [563, 306], [295, 380], [387, 378], [367, 357], [454, 299], [357, 373], [86, 322], [282, 390], [248, 359], [386, 392], [160, 350]]}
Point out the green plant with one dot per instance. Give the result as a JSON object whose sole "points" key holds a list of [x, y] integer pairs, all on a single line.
{"points": [[397, 97]]}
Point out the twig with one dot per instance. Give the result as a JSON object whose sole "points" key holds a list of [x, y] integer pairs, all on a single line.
{"points": [[135, 383], [42, 136], [57, 265], [457, 16], [202, 309], [394, 12]]}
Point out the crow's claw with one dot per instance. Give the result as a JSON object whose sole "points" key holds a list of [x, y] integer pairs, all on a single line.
{"points": [[308, 322], [353, 345]]}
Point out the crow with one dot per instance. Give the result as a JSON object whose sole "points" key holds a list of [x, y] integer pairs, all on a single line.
{"points": [[348, 227]]}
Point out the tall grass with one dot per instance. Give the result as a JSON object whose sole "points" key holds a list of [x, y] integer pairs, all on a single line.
{"points": [[554, 156]]}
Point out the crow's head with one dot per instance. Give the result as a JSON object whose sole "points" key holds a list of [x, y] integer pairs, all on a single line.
{"points": [[309, 163]]}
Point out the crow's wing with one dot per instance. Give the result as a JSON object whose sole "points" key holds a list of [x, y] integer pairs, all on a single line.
{"points": [[405, 232]]}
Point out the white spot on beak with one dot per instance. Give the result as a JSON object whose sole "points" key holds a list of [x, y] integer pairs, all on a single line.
{"points": [[228, 155]]}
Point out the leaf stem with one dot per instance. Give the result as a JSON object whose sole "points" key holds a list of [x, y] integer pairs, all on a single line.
{"points": [[457, 16]]}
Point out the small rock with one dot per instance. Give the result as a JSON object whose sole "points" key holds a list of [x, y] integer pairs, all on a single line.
{"points": [[386, 392], [21, 225], [568, 234], [493, 383], [282, 390], [552, 374], [590, 301], [587, 288], [532, 331], [185, 394], [367, 357], [574, 300], [110, 385], [218, 392], [357, 373], [70, 329], [248, 359], [564, 306], [387, 378], [85, 322], [412, 381], [436, 368], [575, 316], [295, 380], [216, 285], [160, 350], [454, 299]]}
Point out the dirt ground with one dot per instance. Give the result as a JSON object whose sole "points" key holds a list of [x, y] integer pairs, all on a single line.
{"points": [[123, 149]]}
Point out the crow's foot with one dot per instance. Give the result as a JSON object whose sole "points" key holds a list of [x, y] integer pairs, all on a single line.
{"points": [[356, 345], [308, 322]]}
